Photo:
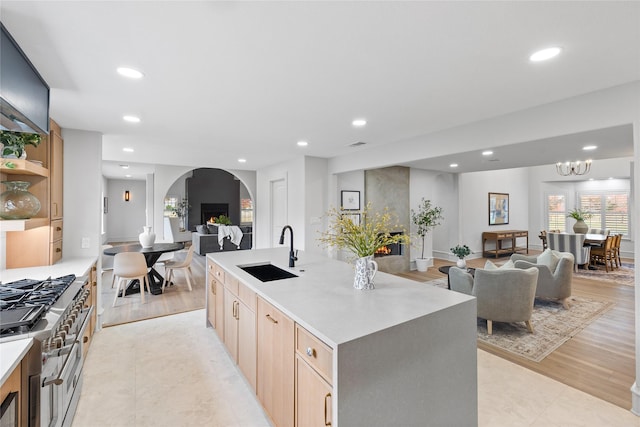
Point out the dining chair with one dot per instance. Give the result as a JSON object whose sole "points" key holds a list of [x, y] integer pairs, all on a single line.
{"points": [[130, 266], [604, 254], [182, 265], [616, 250], [543, 237]]}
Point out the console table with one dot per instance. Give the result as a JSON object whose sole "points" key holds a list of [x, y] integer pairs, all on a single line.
{"points": [[500, 236]]}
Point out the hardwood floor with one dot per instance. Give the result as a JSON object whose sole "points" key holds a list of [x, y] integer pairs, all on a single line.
{"points": [[600, 359]]}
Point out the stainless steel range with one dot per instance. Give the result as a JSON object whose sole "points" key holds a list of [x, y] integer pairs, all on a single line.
{"points": [[55, 314]]}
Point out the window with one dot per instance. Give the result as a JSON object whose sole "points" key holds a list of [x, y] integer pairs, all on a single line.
{"points": [[608, 211], [246, 211], [556, 212], [170, 204]]}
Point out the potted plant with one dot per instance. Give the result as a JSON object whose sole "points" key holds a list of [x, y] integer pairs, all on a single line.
{"points": [[425, 218], [14, 143], [362, 240], [461, 252], [580, 227]]}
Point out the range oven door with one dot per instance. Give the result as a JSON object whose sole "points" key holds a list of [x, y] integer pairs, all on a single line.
{"points": [[62, 380]]}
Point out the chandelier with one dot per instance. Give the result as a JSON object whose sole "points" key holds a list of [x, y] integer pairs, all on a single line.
{"points": [[573, 168]]}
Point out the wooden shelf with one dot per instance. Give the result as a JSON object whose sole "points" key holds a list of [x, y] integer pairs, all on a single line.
{"points": [[24, 167], [22, 224]]}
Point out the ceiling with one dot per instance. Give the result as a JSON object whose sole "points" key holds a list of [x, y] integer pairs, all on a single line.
{"points": [[229, 80]]}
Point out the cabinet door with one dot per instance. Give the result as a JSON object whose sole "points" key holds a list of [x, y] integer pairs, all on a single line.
{"points": [[247, 343], [231, 304], [55, 173], [313, 397], [275, 386], [219, 308]]}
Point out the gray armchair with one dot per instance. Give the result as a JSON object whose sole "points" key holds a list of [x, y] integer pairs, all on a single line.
{"points": [[552, 284], [503, 295]]}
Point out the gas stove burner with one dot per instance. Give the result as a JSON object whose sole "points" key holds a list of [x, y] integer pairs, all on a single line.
{"points": [[24, 302]]}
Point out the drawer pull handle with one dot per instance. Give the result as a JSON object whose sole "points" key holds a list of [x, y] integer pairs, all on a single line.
{"points": [[85, 340], [311, 352], [58, 228], [271, 319], [213, 288], [326, 410], [58, 250]]}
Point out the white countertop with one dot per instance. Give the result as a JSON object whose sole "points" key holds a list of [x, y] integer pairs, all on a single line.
{"points": [[78, 266], [11, 353], [323, 300]]}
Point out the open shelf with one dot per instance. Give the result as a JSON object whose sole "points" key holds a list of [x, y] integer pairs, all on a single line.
{"points": [[22, 224], [23, 167]]}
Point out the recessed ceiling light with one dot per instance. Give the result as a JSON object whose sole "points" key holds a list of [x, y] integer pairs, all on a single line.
{"points": [[130, 72], [589, 147], [544, 54], [590, 179], [610, 177], [242, 160], [124, 166], [131, 119], [487, 153], [302, 143], [127, 176], [453, 165], [359, 122], [127, 150]]}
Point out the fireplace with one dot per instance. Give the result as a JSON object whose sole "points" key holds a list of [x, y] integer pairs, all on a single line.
{"points": [[393, 249], [209, 210]]}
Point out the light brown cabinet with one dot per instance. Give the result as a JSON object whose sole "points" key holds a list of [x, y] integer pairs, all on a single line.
{"points": [[40, 243], [313, 379], [13, 384], [276, 364], [92, 287], [215, 299]]}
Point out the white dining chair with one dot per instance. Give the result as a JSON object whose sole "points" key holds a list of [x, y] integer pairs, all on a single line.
{"points": [[130, 266], [182, 265]]}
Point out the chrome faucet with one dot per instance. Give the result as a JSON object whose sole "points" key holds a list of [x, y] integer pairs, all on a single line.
{"points": [[292, 257]]}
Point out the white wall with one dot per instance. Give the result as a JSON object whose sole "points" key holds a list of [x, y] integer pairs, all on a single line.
{"points": [[442, 190], [316, 184], [82, 197], [474, 204], [126, 219]]}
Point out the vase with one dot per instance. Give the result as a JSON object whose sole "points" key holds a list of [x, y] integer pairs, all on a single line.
{"points": [[16, 202], [422, 264], [147, 238], [580, 227], [461, 263], [366, 269]]}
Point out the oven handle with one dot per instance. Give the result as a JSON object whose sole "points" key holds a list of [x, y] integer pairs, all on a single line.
{"points": [[59, 380]]}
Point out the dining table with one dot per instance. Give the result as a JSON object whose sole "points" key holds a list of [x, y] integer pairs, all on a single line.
{"points": [[151, 256], [594, 239]]}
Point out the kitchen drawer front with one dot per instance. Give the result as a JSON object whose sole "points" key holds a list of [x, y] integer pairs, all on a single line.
{"points": [[218, 272], [230, 283], [55, 251], [315, 352], [56, 230], [247, 296]]}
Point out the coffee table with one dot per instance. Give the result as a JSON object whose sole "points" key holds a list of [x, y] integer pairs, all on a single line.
{"points": [[445, 270]]}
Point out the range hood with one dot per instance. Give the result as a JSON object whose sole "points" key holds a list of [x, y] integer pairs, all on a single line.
{"points": [[24, 95]]}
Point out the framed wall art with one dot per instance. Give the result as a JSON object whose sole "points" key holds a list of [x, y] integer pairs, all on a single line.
{"points": [[498, 208], [350, 200]]}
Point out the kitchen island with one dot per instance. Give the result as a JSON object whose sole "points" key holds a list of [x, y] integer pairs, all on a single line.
{"points": [[402, 354]]}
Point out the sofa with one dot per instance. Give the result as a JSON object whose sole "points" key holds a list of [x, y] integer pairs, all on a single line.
{"points": [[555, 273], [207, 241]]}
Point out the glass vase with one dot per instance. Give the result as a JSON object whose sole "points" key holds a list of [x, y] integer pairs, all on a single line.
{"points": [[16, 202]]}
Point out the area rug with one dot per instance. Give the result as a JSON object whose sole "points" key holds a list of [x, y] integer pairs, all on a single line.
{"points": [[552, 325], [625, 275]]}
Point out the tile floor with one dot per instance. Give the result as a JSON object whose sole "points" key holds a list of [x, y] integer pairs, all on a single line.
{"points": [[172, 371]]}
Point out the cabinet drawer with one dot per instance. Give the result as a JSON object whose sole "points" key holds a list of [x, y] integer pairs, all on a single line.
{"points": [[247, 296], [56, 230], [55, 251], [230, 283], [315, 352]]}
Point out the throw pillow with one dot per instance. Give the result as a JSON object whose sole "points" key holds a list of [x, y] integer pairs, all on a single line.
{"points": [[490, 266], [507, 265], [549, 259]]}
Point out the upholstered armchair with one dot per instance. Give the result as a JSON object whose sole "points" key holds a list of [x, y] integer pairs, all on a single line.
{"points": [[555, 272], [572, 243], [503, 295]]}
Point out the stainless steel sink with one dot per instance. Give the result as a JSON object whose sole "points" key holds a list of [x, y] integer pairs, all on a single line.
{"points": [[267, 272]]}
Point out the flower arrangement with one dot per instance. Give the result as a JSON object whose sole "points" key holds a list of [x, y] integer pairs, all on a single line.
{"points": [[461, 251], [579, 215], [364, 239], [222, 220], [426, 218]]}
